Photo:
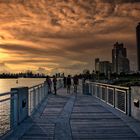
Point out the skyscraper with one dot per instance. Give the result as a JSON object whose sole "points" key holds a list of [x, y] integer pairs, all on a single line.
{"points": [[97, 61], [138, 44], [120, 61]]}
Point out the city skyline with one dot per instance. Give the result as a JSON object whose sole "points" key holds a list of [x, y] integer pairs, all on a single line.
{"points": [[65, 36]]}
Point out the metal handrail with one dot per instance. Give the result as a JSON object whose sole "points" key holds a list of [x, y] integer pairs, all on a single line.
{"points": [[108, 85], [7, 93], [119, 98], [3, 100], [36, 86]]}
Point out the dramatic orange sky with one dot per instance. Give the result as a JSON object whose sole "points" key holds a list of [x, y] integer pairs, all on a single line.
{"points": [[64, 35]]}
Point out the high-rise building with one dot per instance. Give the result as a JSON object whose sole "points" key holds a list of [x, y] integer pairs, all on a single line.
{"points": [[97, 61], [138, 44], [120, 61], [105, 67]]}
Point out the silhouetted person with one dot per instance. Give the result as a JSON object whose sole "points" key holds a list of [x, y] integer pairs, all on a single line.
{"points": [[64, 81], [68, 83], [83, 84], [49, 83], [75, 83], [55, 84]]}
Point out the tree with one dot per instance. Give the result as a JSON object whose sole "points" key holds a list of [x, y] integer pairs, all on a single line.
{"points": [[86, 71]]}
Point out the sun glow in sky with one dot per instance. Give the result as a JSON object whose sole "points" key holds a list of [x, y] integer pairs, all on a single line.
{"points": [[3, 55], [64, 35]]}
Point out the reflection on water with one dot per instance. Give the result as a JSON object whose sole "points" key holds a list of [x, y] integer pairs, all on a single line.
{"points": [[4, 117], [5, 86]]}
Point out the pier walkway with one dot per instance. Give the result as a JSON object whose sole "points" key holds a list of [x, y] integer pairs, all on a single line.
{"points": [[76, 117]]}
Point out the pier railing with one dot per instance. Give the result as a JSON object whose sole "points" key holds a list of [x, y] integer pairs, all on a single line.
{"points": [[17, 105], [36, 95], [117, 96], [5, 112]]}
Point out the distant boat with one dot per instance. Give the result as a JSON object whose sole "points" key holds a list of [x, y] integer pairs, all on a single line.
{"points": [[17, 81]]}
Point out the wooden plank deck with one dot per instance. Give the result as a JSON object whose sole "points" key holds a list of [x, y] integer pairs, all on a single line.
{"points": [[81, 117], [92, 121]]}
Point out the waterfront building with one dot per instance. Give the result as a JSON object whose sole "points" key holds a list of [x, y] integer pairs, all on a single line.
{"points": [[97, 61], [120, 61], [103, 66]]}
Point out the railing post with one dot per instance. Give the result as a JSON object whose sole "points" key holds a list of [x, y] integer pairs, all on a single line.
{"points": [[19, 105], [88, 87], [34, 98], [39, 99], [83, 86], [30, 103], [100, 91], [46, 92], [91, 89], [95, 90], [129, 101], [42, 93], [107, 94], [114, 97]]}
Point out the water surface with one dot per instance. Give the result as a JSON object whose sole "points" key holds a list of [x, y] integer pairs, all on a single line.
{"points": [[7, 84]]}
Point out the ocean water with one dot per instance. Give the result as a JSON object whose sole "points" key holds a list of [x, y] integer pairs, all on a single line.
{"points": [[7, 84]]}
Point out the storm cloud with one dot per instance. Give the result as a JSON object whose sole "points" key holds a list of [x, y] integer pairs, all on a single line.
{"points": [[65, 34]]}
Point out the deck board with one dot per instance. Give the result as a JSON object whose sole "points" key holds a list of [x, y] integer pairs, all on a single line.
{"points": [[81, 117], [92, 121]]}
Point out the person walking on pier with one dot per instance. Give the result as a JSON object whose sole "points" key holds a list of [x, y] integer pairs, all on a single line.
{"points": [[49, 83], [64, 81], [55, 84], [68, 83], [75, 83]]}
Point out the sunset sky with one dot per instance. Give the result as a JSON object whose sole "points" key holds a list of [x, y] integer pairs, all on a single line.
{"points": [[64, 35]]}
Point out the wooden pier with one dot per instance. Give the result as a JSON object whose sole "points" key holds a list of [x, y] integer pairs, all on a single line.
{"points": [[76, 117]]}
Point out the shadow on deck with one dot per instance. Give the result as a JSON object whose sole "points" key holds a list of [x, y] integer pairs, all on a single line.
{"points": [[77, 117]]}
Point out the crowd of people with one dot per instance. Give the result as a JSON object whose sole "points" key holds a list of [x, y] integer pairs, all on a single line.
{"points": [[68, 82]]}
